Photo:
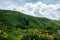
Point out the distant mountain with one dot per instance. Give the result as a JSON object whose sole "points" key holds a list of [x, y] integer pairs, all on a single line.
{"points": [[13, 19]]}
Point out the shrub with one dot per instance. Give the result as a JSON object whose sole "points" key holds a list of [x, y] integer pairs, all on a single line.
{"points": [[5, 36], [30, 37], [36, 37]]}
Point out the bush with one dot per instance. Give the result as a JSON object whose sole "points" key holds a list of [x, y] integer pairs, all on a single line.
{"points": [[56, 38], [36, 37], [5, 36], [30, 37]]}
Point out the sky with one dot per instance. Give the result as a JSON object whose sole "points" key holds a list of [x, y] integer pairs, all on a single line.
{"points": [[38, 8]]}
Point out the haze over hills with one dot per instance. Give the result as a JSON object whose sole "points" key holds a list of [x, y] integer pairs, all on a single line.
{"points": [[13, 19]]}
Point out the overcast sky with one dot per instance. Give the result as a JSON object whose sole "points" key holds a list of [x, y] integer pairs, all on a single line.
{"points": [[38, 8]]}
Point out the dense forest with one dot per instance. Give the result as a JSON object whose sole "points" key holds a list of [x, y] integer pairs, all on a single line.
{"points": [[13, 23]]}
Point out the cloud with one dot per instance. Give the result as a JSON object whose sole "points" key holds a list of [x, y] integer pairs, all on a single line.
{"points": [[7, 4], [39, 9], [50, 1]]}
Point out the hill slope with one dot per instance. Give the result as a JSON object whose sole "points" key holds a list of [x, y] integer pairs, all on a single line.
{"points": [[12, 19]]}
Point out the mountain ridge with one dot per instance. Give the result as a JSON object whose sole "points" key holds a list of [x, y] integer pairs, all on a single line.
{"points": [[13, 19]]}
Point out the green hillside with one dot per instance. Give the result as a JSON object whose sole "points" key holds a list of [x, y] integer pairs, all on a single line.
{"points": [[13, 21]]}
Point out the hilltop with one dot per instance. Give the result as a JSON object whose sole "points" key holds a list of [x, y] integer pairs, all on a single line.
{"points": [[13, 19], [13, 25]]}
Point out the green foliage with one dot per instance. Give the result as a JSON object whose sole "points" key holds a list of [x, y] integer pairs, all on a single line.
{"points": [[30, 37], [13, 21], [9, 37], [36, 37], [56, 38]]}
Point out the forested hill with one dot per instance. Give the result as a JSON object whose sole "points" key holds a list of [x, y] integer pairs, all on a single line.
{"points": [[13, 19]]}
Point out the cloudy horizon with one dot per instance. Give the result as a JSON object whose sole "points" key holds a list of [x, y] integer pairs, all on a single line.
{"points": [[38, 8]]}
